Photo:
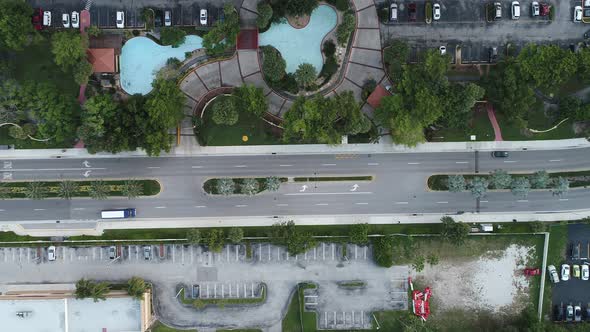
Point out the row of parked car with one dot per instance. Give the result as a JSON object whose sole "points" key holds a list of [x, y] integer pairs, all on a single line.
{"points": [[436, 10], [571, 313], [42, 18], [147, 253], [577, 271]]}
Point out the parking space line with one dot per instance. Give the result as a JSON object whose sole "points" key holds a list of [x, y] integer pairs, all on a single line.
{"points": [[355, 252], [314, 253], [323, 251], [260, 251], [229, 289], [278, 253], [237, 252], [305, 255], [332, 244], [222, 291], [365, 252]]}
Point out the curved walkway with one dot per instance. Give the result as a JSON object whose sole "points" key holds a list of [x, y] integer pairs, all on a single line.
{"points": [[364, 62]]}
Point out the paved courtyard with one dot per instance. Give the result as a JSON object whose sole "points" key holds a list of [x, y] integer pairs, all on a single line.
{"points": [[171, 267]]}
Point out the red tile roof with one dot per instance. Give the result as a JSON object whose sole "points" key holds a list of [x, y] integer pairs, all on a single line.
{"points": [[375, 97], [102, 59]]}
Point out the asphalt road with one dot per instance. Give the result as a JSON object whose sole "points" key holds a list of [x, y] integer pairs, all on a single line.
{"points": [[399, 185]]}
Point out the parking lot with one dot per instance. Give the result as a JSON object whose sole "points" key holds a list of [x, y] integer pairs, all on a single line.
{"points": [[574, 291]]}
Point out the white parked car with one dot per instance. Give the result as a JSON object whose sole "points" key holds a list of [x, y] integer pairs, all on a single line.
{"points": [[442, 50], [75, 19], [393, 12], [535, 9], [65, 20], [47, 18], [585, 272], [436, 11], [586, 3], [203, 17], [577, 14], [553, 274], [120, 20], [51, 253], [515, 10], [167, 18], [565, 272]]}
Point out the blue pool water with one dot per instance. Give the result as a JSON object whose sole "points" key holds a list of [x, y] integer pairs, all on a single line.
{"points": [[141, 58], [299, 46]]}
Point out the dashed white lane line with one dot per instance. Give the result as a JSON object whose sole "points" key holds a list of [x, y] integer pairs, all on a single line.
{"points": [[322, 204], [461, 162], [283, 204], [159, 207], [153, 167], [509, 161], [344, 193], [196, 166], [285, 165], [401, 202], [79, 209], [240, 166], [38, 209], [241, 205], [554, 160], [413, 163], [373, 164], [483, 201], [442, 202], [200, 206], [522, 200], [2, 210], [328, 164], [563, 199], [362, 203]]}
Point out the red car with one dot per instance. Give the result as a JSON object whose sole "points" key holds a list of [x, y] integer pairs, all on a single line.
{"points": [[529, 271], [412, 12], [37, 19], [545, 8]]}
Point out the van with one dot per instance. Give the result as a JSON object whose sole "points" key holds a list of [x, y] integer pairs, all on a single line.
{"points": [[393, 12]]}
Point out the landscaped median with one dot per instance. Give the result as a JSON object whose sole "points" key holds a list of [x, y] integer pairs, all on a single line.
{"points": [[97, 189], [243, 186], [333, 178], [201, 302]]}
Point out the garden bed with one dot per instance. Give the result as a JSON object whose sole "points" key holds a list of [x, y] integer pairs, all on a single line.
{"points": [[51, 189], [210, 186]]}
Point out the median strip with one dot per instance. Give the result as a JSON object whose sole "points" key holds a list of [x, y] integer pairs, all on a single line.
{"points": [[334, 178]]}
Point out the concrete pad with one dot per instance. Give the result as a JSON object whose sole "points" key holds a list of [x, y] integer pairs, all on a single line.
{"points": [[275, 102], [367, 38], [359, 74], [349, 86], [366, 57], [258, 81], [368, 110], [189, 104], [209, 73], [367, 18], [360, 4], [230, 72], [192, 86], [248, 62], [286, 107], [248, 18]]}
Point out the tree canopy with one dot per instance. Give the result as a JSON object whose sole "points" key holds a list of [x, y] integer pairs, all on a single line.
{"points": [[300, 7], [547, 66], [273, 64], [305, 74], [224, 33], [69, 48], [264, 15], [224, 112], [172, 36], [15, 24]]}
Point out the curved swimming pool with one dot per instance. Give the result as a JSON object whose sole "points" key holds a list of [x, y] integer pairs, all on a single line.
{"points": [[303, 45], [141, 58]]}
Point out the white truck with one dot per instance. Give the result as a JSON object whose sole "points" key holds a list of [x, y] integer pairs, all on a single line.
{"points": [[118, 214]]}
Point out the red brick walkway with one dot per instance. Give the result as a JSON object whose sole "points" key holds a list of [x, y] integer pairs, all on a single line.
{"points": [[492, 117]]}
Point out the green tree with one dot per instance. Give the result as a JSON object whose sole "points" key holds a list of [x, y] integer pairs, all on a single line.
{"points": [[538, 226], [454, 232], [215, 240], [99, 291], [224, 33], [35, 190], [4, 191], [540, 180], [296, 240], [96, 113], [136, 287], [17, 132], [478, 187], [395, 57], [273, 64], [84, 288], [225, 186], [172, 36], [249, 186], [500, 179], [272, 183], [225, 112], [456, 183], [235, 235], [404, 128], [250, 99], [520, 186], [345, 29], [93, 31], [350, 118], [82, 71], [560, 186], [459, 101], [310, 121], [305, 74], [67, 189], [300, 7], [569, 106], [132, 189], [547, 66], [98, 190], [69, 48], [418, 264], [164, 107], [11, 102], [383, 251], [432, 259], [359, 234], [15, 24], [193, 236], [264, 15]]}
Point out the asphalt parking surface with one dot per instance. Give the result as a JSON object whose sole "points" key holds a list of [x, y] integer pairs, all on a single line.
{"points": [[575, 291]]}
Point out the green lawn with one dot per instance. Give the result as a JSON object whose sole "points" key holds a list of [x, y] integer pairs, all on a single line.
{"points": [[538, 121], [159, 327], [258, 131], [555, 256], [479, 126]]}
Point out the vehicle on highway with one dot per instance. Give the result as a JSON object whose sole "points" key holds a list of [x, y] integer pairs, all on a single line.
{"points": [[65, 20], [569, 313], [47, 18], [203, 17], [75, 19], [112, 252], [412, 12], [51, 253], [515, 10], [167, 18], [442, 49], [37, 19], [147, 253], [576, 271], [565, 272], [393, 12], [553, 276], [535, 9], [436, 11], [578, 313], [577, 14], [498, 11], [585, 271], [500, 154], [118, 214], [120, 20]]}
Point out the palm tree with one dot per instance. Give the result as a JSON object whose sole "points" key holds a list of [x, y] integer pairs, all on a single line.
{"points": [[99, 291], [35, 190], [98, 190], [132, 189], [84, 288], [67, 189], [136, 287], [272, 183]]}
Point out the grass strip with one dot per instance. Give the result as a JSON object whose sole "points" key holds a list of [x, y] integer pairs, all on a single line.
{"points": [[159, 327], [201, 303], [51, 189], [352, 284], [210, 186], [555, 256], [334, 178]]}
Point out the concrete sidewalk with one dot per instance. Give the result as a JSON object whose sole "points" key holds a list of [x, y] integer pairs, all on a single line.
{"points": [[195, 150]]}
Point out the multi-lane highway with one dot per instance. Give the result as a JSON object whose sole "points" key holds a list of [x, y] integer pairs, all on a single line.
{"points": [[399, 184]]}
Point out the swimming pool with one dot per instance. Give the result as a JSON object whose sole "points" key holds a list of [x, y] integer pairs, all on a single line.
{"points": [[299, 46], [141, 58]]}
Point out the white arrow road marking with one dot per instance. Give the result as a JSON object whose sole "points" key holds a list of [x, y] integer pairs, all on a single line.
{"points": [[87, 173], [354, 187], [86, 164], [303, 187]]}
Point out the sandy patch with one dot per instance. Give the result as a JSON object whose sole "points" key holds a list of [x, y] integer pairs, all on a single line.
{"points": [[493, 282]]}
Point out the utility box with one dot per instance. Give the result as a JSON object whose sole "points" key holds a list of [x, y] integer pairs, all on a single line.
{"points": [[486, 227]]}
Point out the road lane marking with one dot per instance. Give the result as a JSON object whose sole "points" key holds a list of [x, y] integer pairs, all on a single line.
{"points": [[362, 203], [285, 165], [39, 209], [241, 205], [373, 164], [2, 210], [196, 166], [461, 162], [283, 204], [554, 160], [78, 209], [483, 201], [55, 169], [328, 164], [153, 167], [160, 207], [322, 204], [200, 206], [442, 202], [523, 200], [563, 199], [413, 163], [509, 161], [344, 193], [401, 202]]}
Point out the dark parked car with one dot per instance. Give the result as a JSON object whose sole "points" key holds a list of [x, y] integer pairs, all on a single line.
{"points": [[158, 18], [558, 312], [37, 19], [412, 12], [569, 313], [500, 154]]}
